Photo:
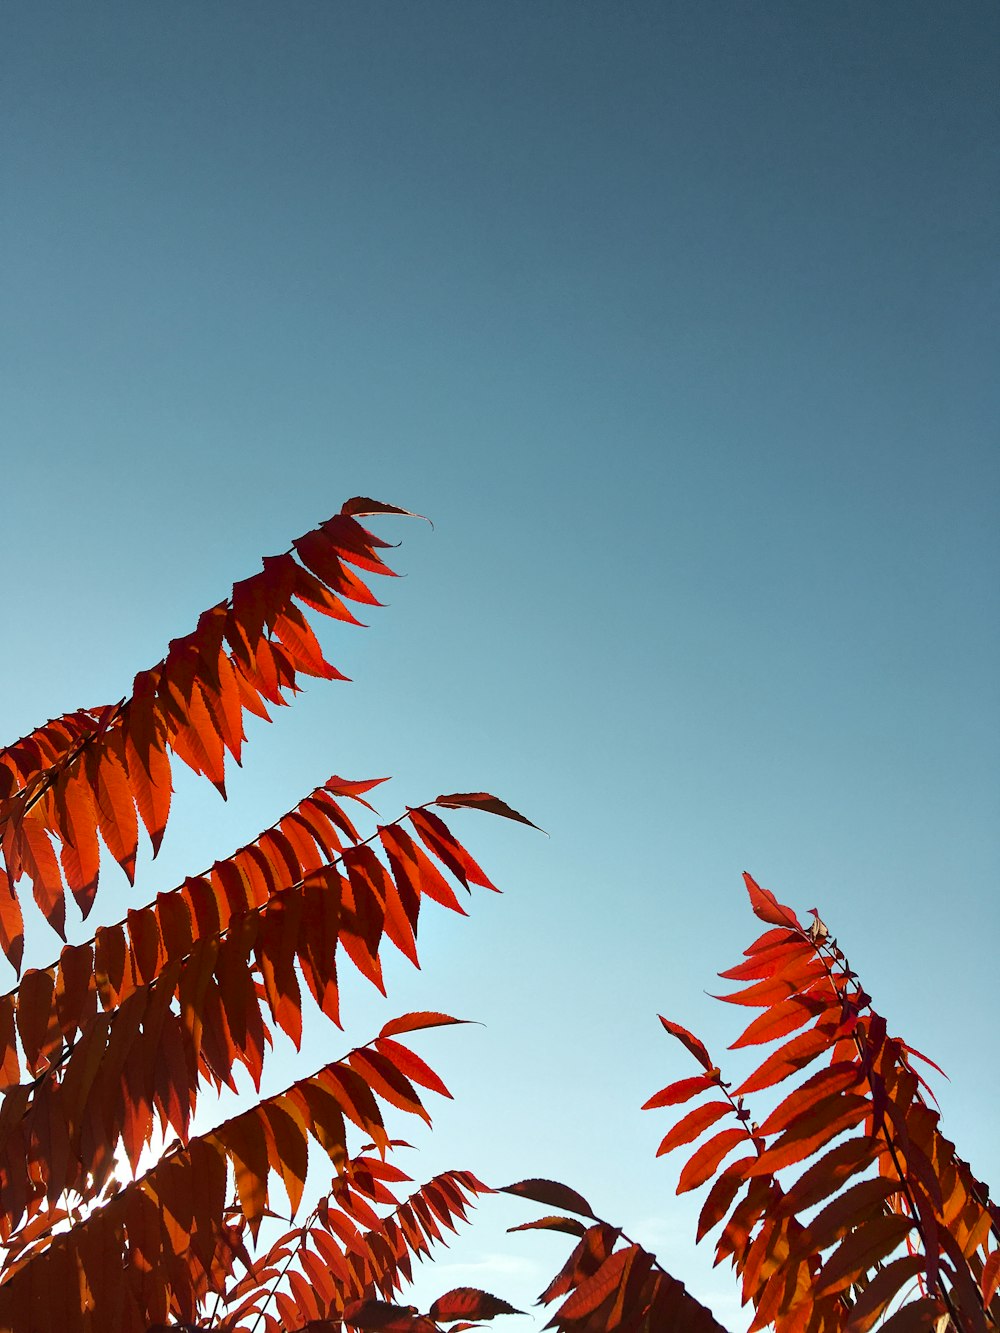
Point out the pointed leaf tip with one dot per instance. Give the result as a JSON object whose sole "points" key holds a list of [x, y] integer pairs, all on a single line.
{"points": [[482, 800], [689, 1040], [415, 1021], [365, 506], [766, 906], [552, 1193], [553, 1222]]}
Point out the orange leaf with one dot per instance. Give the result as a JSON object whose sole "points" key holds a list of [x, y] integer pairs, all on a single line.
{"points": [[693, 1124], [811, 1130], [791, 980], [781, 1019], [116, 814], [591, 1293], [438, 838], [384, 1078], [881, 1290], [287, 1128], [11, 924], [826, 1083], [412, 864], [356, 1101], [410, 1064], [10, 1069], [860, 1251], [990, 1280], [846, 1212], [721, 1195], [702, 1166], [827, 1175], [415, 1021], [39, 859], [794, 1055], [766, 906], [246, 1143]]}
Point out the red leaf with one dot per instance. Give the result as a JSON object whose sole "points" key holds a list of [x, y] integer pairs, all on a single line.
{"points": [[765, 962], [380, 1315], [881, 1290], [827, 1175], [10, 1069], [721, 1195], [469, 1303], [846, 1212], [591, 1293], [703, 1165], [689, 1040], [412, 866], [860, 1251], [383, 1077], [784, 1017], [990, 1280], [812, 1130], [11, 924], [682, 1091], [766, 906], [40, 862], [413, 1022], [438, 838], [794, 1055], [693, 1124], [821, 1085], [799, 976], [411, 1065]]}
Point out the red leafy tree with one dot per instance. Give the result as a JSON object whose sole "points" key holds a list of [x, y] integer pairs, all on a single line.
{"points": [[106, 1051], [842, 1207]]}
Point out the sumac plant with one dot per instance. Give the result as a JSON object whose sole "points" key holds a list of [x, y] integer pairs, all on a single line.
{"points": [[104, 1054]]}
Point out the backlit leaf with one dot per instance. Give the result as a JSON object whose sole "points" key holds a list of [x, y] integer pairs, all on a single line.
{"points": [[703, 1165], [469, 1303], [693, 1124], [873, 1241], [766, 906], [689, 1040]]}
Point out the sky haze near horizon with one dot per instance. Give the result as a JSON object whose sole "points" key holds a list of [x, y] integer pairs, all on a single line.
{"points": [[679, 320]]}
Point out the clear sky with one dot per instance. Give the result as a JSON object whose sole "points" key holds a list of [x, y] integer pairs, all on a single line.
{"points": [[679, 319]]}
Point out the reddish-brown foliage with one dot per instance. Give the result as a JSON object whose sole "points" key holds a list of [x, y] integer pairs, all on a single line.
{"points": [[843, 1207]]}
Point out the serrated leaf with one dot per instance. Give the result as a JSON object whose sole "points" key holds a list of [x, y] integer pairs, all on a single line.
{"points": [[415, 1021], [552, 1194], [690, 1041], [469, 1303], [553, 1222], [693, 1124], [482, 800]]}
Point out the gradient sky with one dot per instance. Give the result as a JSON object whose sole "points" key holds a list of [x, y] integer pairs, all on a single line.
{"points": [[679, 320]]}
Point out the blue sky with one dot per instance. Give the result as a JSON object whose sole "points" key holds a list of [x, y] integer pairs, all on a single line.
{"points": [[680, 322]]}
